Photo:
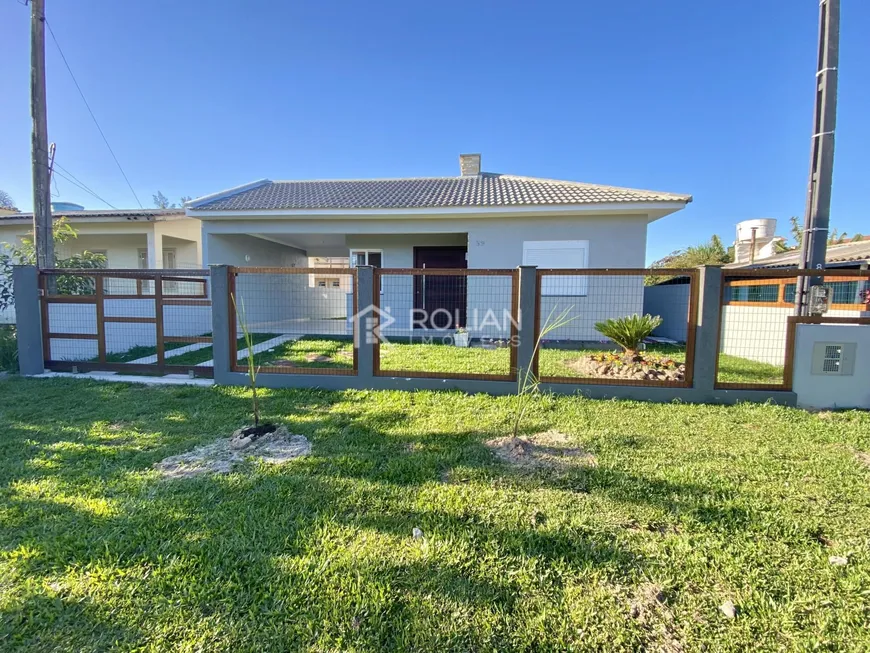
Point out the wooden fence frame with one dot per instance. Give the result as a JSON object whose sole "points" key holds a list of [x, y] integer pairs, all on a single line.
{"points": [[693, 275], [513, 274], [98, 300], [768, 276], [233, 272]]}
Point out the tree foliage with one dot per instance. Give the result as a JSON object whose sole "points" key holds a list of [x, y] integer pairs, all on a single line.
{"points": [[713, 252], [162, 202], [6, 201], [796, 230], [25, 254]]}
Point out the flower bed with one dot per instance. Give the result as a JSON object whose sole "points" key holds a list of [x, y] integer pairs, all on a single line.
{"points": [[646, 366]]}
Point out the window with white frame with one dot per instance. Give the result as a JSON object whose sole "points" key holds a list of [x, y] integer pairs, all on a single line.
{"points": [[373, 257], [556, 254]]}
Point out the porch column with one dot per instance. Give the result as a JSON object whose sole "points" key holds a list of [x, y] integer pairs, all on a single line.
{"points": [[155, 249]]}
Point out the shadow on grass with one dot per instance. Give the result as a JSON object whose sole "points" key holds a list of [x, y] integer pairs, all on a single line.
{"points": [[79, 493]]}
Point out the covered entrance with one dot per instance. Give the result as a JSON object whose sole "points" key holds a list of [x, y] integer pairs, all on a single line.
{"points": [[440, 298]]}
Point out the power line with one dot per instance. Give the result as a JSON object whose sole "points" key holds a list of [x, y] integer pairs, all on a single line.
{"points": [[93, 117], [80, 183]]}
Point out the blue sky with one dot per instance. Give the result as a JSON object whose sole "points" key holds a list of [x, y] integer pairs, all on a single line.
{"points": [[709, 98]]}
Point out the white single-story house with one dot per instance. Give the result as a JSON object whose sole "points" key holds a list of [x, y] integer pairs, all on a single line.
{"points": [[473, 220], [129, 238]]}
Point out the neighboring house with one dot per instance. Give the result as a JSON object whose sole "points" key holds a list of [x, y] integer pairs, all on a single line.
{"points": [[132, 239], [761, 305], [474, 220]]}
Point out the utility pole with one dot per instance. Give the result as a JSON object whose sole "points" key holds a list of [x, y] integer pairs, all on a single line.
{"points": [[818, 209], [42, 231]]}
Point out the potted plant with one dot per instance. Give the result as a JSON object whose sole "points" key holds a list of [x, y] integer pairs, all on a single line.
{"points": [[460, 338]]}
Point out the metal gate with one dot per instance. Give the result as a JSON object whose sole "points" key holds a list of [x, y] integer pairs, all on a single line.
{"points": [[130, 321]]}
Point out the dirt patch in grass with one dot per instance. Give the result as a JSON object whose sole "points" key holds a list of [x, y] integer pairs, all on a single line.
{"points": [[863, 458], [547, 450], [649, 608], [221, 456], [649, 367]]}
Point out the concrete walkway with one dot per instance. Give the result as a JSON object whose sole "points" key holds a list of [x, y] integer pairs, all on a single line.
{"points": [[169, 379], [150, 360], [263, 346]]}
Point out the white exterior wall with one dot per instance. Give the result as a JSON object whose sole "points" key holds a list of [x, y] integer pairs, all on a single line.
{"points": [[120, 337], [614, 241], [829, 391], [277, 303], [759, 333]]}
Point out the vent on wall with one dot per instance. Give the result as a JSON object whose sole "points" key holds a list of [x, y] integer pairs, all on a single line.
{"points": [[834, 358]]}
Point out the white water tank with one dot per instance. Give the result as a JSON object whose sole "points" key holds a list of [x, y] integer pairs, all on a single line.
{"points": [[765, 229]]}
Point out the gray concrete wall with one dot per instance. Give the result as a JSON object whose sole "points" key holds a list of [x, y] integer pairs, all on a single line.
{"points": [[671, 303]]}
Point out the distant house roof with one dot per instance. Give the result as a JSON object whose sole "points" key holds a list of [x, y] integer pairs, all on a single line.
{"points": [[467, 191], [117, 214], [853, 252]]}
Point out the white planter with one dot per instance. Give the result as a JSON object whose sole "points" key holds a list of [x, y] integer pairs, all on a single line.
{"points": [[460, 339]]}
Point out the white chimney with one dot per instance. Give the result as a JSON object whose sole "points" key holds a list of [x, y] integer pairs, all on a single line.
{"points": [[469, 165], [756, 240]]}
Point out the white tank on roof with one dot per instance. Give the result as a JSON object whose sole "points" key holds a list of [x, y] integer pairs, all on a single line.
{"points": [[765, 229]]}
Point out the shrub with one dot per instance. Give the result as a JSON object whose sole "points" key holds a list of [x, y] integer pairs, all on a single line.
{"points": [[629, 332], [8, 349]]}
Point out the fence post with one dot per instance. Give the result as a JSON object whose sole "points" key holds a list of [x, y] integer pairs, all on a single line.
{"points": [[707, 331], [28, 318], [220, 322], [527, 319], [362, 335]]}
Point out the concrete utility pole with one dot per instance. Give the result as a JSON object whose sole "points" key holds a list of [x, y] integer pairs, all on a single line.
{"points": [[818, 209], [42, 231]]}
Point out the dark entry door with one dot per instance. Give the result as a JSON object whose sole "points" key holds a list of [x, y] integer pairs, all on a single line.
{"points": [[442, 297]]}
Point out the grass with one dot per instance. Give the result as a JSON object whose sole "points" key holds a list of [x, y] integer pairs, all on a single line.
{"points": [[733, 369], [418, 357], [695, 505], [195, 357], [302, 351], [8, 349]]}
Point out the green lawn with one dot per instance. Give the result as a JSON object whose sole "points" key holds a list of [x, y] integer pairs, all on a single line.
{"points": [[194, 357], [688, 506], [416, 357], [733, 369]]}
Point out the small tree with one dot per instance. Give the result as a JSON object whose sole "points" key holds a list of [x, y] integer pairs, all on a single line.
{"points": [[528, 384], [253, 369], [629, 332]]}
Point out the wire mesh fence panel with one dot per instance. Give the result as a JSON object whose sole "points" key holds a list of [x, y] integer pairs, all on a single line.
{"points": [[445, 323], [297, 322], [622, 327], [755, 333], [122, 320]]}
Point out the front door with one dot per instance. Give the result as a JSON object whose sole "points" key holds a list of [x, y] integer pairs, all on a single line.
{"points": [[441, 297]]}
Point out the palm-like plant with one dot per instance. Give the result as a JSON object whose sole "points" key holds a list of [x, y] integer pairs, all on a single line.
{"points": [[629, 332]]}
